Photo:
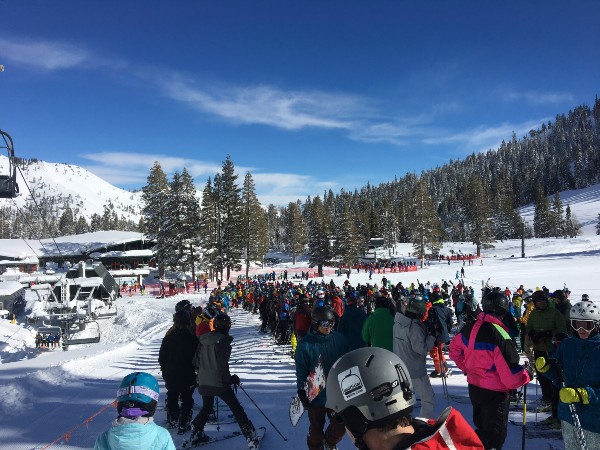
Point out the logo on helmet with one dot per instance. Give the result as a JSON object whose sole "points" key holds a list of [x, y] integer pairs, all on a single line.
{"points": [[351, 384]]}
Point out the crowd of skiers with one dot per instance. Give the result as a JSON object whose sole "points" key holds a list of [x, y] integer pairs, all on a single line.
{"points": [[371, 344]]}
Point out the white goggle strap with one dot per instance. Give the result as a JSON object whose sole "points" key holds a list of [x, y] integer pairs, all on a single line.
{"points": [[138, 390]]}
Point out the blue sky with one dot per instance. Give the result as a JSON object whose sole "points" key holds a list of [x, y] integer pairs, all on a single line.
{"points": [[307, 95]]}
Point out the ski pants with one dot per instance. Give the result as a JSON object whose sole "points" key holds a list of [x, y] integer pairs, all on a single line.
{"points": [[422, 386], [490, 416], [176, 413], [570, 437], [333, 434], [437, 354], [227, 395]]}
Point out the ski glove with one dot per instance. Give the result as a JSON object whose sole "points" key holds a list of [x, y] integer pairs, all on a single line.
{"points": [[542, 365], [235, 380], [303, 398], [572, 395]]}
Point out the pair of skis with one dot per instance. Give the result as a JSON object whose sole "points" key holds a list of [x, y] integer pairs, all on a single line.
{"points": [[260, 434]]}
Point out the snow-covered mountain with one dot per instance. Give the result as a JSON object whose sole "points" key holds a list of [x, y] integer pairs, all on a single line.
{"points": [[83, 191]]}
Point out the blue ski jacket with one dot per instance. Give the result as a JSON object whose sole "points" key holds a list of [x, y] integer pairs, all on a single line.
{"points": [[133, 435], [308, 351], [580, 361]]}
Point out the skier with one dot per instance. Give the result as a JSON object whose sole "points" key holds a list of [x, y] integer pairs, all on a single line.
{"points": [[351, 323], [412, 344], [320, 344], [439, 322], [371, 392], [579, 358], [175, 359], [487, 355], [215, 380], [377, 330], [134, 428]]}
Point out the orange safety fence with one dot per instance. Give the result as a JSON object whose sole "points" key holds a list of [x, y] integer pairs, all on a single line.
{"points": [[67, 436]]}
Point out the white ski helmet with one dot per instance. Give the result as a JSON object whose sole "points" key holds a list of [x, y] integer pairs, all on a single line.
{"points": [[585, 310], [369, 387]]}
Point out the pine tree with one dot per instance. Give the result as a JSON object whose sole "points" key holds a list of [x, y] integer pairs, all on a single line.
{"points": [[230, 217], [81, 226], [477, 213], [557, 221], [427, 232], [346, 247], [319, 235], [541, 215], [66, 224], [294, 231], [209, 236], [154, 197], [572, 227], [254, 223]]}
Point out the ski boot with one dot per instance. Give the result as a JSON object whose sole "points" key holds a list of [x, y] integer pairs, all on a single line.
{"points": [[250, 434], [328, 446], [198, 437]]}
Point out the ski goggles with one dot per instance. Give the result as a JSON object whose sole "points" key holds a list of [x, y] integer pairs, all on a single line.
{"points": [[326, 323], [583, 325]]}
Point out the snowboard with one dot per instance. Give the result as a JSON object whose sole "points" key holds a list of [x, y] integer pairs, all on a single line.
{"points": [[314, 384]]}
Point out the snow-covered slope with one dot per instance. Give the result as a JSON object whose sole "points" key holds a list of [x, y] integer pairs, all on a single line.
{"points": [[83, 191]]}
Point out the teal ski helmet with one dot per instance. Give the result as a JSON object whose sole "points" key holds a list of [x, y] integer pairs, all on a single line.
{"points": [[138, 387]]}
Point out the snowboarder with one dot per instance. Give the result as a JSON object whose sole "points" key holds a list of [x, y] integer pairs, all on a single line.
{"points": [[321, 343], [215, 380], [371, 392], [134, 428], [487, 355]]}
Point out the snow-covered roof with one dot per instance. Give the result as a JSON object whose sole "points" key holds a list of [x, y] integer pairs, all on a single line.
{"points": [[124, 254], [10, 287], [77, 244]]}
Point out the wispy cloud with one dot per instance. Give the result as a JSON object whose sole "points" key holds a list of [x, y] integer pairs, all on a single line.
{"points": [[538, 98], [45, 55], [483, 138], [267, 105]]}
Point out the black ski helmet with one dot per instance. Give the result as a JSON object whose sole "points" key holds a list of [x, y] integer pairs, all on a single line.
{"points": [[222, 322], [181, 317], [495, 303], [416, 308], [321, 313], [183, 305]]}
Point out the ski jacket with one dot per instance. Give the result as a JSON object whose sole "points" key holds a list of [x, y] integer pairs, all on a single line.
{"points": [[212, 361], [487, 355], [312, 346], [412, 344], [378, 329], [127, 434], [542, 326], [337, 305], [450, 430], [175, 359], [302, 321], [351, 325], [580, 360], [442, 316]]}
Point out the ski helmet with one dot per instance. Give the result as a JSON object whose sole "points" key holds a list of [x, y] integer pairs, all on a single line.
{"points": [[222, 322], [141, 388], [417, 308], [209, 312], [559, 295], [369, 387], [320, 294], [495, 303], [181, 317], [585, 310], [321, 313], [183, 305], [585, 298]]}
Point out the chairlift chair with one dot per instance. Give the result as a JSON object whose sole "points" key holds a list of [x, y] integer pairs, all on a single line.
{"points": [[8, 180]]}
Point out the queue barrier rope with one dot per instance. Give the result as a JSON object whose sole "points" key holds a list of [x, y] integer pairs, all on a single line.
{"points": [[67, 436]]}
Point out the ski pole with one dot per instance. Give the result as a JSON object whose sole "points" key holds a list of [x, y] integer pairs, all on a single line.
{"points": [[524, 414], [576, 423], [261, 411]]}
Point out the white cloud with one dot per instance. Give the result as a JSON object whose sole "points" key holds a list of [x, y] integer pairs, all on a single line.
{"points": [[538, 98], [483, 138], [44, 55], [266, 105]]}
